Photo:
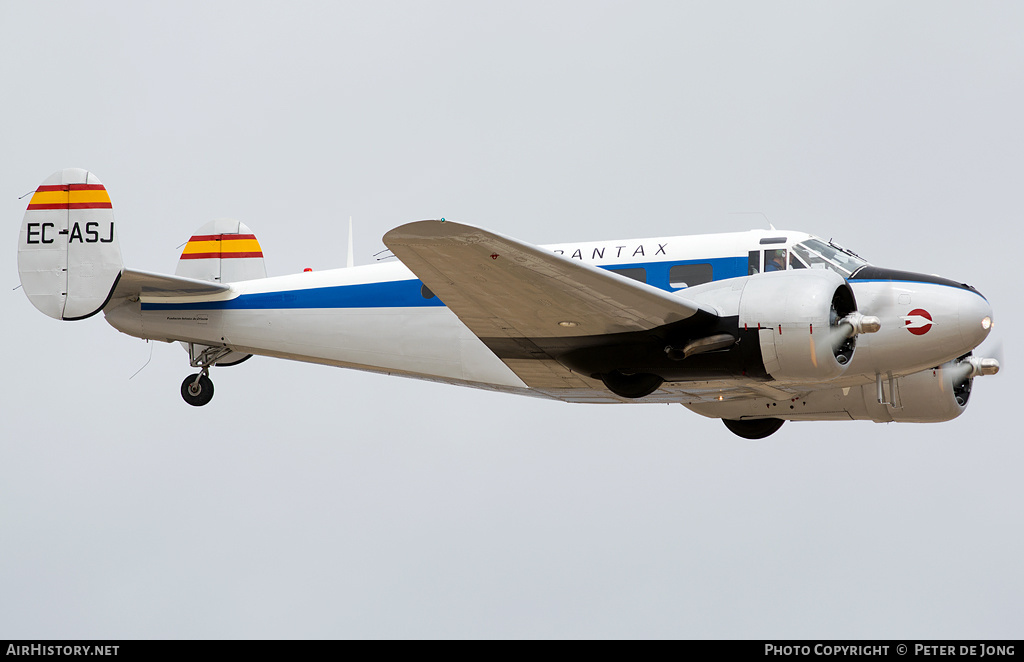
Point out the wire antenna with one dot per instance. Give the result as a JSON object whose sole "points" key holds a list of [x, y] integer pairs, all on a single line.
{"points": [[351, 260], [147, 360], [759, 213]]}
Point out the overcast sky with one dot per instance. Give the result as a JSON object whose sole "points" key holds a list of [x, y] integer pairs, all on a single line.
{"points": [[308, 501]]}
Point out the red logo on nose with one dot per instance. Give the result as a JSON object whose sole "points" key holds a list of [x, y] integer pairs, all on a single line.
{"points": [[917, 321]]}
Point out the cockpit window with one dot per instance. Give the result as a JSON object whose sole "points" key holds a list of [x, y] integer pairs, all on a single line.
{"points": [[819, 255], [775, 259]]}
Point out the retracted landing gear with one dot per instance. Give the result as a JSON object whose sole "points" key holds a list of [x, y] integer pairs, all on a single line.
{"points": [[631, 386], [754, 428], [197, 390]]}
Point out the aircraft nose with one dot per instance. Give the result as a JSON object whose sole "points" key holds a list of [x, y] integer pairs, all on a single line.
{"points": [[975, 318]]}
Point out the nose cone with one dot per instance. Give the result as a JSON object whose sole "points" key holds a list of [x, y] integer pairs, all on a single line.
{"points": [[925, 318], [975, 315]]}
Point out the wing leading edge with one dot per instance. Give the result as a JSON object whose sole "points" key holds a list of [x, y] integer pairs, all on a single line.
{"points": [[534, 308]]}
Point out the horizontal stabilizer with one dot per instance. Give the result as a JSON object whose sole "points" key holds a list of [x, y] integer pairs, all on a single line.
{"points": [[135, 283]]}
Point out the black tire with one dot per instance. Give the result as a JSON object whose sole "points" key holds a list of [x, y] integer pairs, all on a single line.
{"points": [[631, 386], [199, 394], [755, 428]]}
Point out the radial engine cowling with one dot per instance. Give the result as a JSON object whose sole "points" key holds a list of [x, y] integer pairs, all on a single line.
{"points": [[801, 316], [929, 396]]}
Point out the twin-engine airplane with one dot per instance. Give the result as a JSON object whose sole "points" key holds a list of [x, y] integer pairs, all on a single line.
{"points": [[755, 328]]}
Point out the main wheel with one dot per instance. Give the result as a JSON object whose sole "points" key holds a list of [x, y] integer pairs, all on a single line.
{"points": [[631, 386], [197, 394], [755, 428]]}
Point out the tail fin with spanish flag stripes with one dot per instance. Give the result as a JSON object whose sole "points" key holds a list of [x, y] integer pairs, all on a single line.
{"points": [[224, 251], [69, 259]]}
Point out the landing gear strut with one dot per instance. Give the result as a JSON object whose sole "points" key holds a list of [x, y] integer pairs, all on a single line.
{"points": [[197, 390]]}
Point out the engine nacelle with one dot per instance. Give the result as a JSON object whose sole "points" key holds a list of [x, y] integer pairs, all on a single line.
{"points": [[798, 314], [930, 396]]}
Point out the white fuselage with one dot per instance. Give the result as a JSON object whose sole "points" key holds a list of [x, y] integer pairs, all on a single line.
{"points": [[380, 318]]}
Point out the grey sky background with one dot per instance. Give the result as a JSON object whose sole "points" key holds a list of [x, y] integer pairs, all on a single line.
{"points": [[308, 501]]}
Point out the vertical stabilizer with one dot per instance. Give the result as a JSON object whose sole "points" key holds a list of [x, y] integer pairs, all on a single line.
{"points": [[69, 259], [225, 251]]}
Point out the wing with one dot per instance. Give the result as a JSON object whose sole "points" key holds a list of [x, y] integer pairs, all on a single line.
{"points": [[529, 305]]}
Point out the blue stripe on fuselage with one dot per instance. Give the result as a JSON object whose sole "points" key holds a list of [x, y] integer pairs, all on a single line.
{"points": [[388, 294], [408, 293]]}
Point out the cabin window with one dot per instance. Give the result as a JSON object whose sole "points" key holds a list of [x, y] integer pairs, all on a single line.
{"points": [[636, 273], [426, 293], [688, 275], [754, 263]]}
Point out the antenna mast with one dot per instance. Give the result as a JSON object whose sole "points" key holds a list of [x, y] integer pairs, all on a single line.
{"points": [[350, 261]]}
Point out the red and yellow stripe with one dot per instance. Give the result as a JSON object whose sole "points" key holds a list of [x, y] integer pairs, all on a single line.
{"points": [[221, 246], [70, 196]]}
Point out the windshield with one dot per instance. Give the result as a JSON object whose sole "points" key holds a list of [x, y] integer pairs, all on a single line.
{"points": [[819, 255]]}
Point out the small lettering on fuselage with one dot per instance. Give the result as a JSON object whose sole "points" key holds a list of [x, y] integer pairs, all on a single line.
{"points": [[188, 318], [614, 252]]}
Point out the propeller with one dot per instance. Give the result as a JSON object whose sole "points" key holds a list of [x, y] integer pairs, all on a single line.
{"points": [[996, 351], [855, 324], [963, 370], [846, 328], [960, 370], [990, 360], [885, 304]]}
